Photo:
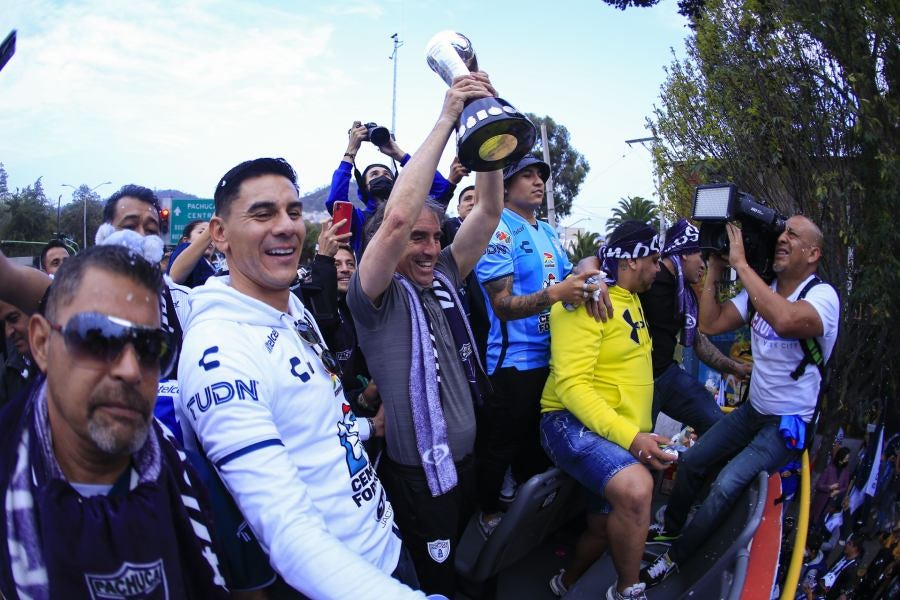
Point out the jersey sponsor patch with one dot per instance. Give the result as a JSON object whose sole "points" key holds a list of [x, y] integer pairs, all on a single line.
{"points": [[549, 262], [221, 392], [439, 550], [503, 237], [270, 340], [348, 434], [132, 580]]}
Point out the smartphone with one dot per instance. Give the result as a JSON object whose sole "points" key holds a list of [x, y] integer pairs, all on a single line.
{"points": [[342, 210]]}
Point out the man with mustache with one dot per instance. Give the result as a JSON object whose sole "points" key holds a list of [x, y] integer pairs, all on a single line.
{"points": [[97, 499]]}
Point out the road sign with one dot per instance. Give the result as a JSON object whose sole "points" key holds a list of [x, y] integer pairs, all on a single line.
{"points": [[185, 210]]}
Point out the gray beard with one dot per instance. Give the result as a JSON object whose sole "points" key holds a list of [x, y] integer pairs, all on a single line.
{"points": [[106, 441]]}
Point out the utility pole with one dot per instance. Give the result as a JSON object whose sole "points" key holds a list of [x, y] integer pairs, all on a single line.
{"points": [[551, 205], [643, 142], [393, 57], [84, 209]]}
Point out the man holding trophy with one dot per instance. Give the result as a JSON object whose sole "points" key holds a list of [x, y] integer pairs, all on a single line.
{"points": [[403, 297]]}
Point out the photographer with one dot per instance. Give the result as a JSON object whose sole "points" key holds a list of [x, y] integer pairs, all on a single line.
{"points": [[375, 182], [794, 309]]}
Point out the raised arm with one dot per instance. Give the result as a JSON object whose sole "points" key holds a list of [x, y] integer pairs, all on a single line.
{"points": [[788, 319], [716, 317], [180, 269], [408, 196], [22, 286], [476, 231]]}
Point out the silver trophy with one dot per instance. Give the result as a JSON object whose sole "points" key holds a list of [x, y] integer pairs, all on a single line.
{"points": [[491, 132]]}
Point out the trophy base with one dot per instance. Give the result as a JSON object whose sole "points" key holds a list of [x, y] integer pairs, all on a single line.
{"points": [[492, 134]]}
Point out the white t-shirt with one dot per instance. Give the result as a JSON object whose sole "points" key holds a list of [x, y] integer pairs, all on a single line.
{"points": [[772, 389]]}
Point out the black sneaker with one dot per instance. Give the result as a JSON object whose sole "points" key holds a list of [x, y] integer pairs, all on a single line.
{"points": [[654, 573], [657, 534], [487, 527]]}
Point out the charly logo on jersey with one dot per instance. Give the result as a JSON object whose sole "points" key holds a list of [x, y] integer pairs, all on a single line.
{"points": [[549, 262], [439, 550], [131, 581]]}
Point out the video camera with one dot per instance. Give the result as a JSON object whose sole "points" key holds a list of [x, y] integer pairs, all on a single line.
{"points": [[717, 204]]}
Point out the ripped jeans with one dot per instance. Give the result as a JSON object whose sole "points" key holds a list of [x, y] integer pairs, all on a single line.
{"points": [[590, 459]]}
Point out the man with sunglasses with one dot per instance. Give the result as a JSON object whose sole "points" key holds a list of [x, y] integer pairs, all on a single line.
{"points": [[97, 498], [261, 393]]}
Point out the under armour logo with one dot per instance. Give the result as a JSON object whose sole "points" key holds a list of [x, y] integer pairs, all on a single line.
{"points": [[635, 325]]}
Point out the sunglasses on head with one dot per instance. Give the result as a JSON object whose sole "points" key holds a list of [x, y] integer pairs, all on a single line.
{"points": [[97, 338], [309, 335]]}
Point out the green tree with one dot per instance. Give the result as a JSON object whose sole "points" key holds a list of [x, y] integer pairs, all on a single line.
{"points": [[568, 167], [632, 207], [71, 220], [798, 103], [28, 217], [584, 244], [4, 183], [688, 8], [310, 241]]}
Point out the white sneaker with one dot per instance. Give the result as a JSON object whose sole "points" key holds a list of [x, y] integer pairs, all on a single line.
{"points": [[557, 587], [509, 488], [632, 592]]}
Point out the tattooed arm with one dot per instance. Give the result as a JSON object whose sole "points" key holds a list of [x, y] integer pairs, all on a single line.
{"points": [[508, 307], [712, 356]]}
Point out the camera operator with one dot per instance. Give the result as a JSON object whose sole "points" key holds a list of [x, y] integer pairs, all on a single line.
{"points": [[375, 182], [793, 310]]}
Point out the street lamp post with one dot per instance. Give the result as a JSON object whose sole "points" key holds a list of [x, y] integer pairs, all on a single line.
{"points": [[84, 210]]}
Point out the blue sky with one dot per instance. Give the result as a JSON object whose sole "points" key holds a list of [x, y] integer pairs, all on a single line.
{"points": [[172, 94]]}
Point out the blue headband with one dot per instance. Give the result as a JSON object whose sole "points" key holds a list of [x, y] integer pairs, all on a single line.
{"points": [[639, 244], [682, 238]]}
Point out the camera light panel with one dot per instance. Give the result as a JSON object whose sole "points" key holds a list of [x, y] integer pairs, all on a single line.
{"points": [[712, 203]]}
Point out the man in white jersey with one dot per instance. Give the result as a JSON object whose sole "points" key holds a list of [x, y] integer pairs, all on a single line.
{"points": [[261, 393], [790, 312]]}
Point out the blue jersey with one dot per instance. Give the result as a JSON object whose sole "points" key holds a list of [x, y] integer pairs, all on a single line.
{"points": [[534, 257]]}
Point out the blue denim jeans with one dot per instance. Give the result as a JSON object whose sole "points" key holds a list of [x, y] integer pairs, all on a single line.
{"points": [[590, 459], [684, 399], [750, 441]]}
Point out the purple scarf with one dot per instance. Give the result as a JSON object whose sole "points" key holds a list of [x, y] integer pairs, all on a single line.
{"points": [[687, 304], [150, 541], [424, 379]]}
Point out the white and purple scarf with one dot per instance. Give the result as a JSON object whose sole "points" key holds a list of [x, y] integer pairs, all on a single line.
{"points": [[683, 238], [151, 541], [424, 379]]}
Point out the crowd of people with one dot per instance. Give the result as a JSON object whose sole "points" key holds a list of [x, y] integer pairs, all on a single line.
{"points": [[329, 431]]}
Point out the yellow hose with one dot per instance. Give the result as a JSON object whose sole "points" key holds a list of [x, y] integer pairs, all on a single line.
{"points": [[789, 590]]}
